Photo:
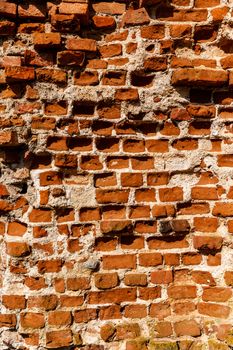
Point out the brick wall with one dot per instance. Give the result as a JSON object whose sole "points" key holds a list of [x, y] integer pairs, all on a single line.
{"points": [[116, 180]]}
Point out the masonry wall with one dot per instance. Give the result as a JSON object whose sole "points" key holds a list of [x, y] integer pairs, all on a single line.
{"points": [[116, 175]]}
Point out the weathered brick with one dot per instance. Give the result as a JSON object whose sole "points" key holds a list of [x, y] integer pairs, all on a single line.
{"points": [[32, 320], [46, 40], [8, 320], [136, 17], [8, 9], [18, 249], [59, 318], [35, 11], [7, 28], [57, 339], [119, 262], [115, 181], [213, 310], [182, 292], [199, 77], [103, 22], [19, 74], [206, 243], [78, 9], [114, 8], [188, 327], [88, 45], [70, 58], [12, 302], [114, 296]]}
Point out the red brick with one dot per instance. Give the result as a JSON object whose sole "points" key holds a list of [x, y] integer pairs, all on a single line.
{"points": [[131, 180], [206, 243], [45, 266], [45, 302], [149, 293], [19, 74], [155, 64], [156, 243], [199, 111], [32, 320], [16, 228], [110, 50], [135, 17], [191, 258], [80, 10], [71, 301], [156, 31], [80, 283], [185, 144], [110, 312], [168, 14], [8, 9], [206, 3], [205, 224], [46, 40], [171, 194], [65, 23], [7, 28], [160, 310], [150, 259], [105, 244], [103, 22], [127, 95], [127, 331], [70, 58], [135, 311], [106, 280], [199, 77], [182, 292], [29, 11], [134, 242], [59, 318], [216, 294], [35, 283], [180, 30], [86, 315], [163, 329], [57, 339], [228, 277], [187, 327], [126, 261], [109, 196], [107, 331], [135, 279], [157, 146], [7, 320], [225, 160], [51, 75], [40, 215], [17, 249], [162, 277], [88, 45], [183, 308], [114, 296], [14, 301], [114, 8], [213, 310], [219, 13], [200, 193]]}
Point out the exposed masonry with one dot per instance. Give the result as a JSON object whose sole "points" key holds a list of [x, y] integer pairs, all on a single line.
{"points": [[116, 179]]}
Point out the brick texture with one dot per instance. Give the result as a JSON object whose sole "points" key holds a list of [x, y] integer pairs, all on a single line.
{"points": [[116, 167]]}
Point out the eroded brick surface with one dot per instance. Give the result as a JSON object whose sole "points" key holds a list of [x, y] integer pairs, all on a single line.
{"points": [[116, 185]]}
